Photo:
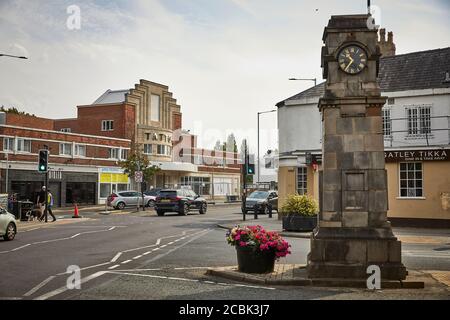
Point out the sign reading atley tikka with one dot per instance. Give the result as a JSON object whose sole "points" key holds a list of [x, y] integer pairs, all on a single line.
{"points": [[417, 155]]}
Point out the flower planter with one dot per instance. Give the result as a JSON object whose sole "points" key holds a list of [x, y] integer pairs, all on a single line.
{"points": [[299, 223], [252, 261]]}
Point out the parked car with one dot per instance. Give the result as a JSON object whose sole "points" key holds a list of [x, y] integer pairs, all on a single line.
{"points": [[8, 226], [179, 200], [261, 202], [152, 192], [122, 199]]}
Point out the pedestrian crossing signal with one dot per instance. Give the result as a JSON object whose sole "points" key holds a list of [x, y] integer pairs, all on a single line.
{"points": [[43, 161]]}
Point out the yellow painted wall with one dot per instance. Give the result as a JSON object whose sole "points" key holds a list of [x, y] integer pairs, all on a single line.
{"points": [[287, 183], [436, 181]]}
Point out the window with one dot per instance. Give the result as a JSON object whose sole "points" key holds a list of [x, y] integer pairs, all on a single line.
{"points": [[105, 190], [8, 144], [114, 153], [124, 154], [23, 145], [168, 150], [419, 120], [154, 107], [411, 180], [148, 148], [107, 125], [66, 130], [161, 149], [301, 180], [387, 123], [80, 150], [65, 149]]}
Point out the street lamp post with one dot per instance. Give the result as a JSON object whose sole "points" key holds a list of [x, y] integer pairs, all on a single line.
{"points": [[259, 113], [296, 79]]}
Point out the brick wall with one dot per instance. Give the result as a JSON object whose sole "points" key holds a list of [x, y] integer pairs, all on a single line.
{"points": [[29, 121]]}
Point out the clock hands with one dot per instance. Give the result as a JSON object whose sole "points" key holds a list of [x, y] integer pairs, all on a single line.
{"points": [[351, 62]]}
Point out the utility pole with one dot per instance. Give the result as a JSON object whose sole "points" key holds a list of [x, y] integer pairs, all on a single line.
{"points": [[244, 174], [139, 185], [7, 172], [46, 190]]}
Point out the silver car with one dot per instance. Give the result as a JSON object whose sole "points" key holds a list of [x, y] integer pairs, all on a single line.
{"points": [[8, 226], [120, 200]]}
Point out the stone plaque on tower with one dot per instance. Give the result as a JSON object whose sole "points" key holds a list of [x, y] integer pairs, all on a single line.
{"points": [[353, 232]]}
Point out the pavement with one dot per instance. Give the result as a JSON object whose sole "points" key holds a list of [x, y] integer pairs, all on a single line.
{"points": [[138, 255]]}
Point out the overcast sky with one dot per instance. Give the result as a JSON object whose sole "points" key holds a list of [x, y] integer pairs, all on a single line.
{"points": [[224, 60]]}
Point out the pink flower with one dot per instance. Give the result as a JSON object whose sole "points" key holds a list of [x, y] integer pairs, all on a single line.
{"points": [[243, 244]]}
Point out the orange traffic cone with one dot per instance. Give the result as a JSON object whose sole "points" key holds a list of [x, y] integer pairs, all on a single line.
{"points": [[75, 214]]}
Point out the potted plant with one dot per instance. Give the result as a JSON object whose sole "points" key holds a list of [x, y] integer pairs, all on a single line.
{"points": [[256, 248], [299, 213]]}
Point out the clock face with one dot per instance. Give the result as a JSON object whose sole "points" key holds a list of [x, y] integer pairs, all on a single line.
{"points": [[352, 59]]}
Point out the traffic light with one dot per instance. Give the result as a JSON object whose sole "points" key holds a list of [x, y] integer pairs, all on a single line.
{"points": [[250, 168], [43, 161]]}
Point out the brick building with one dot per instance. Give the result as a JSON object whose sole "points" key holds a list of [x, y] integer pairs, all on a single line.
{"points": [[77, 162]]}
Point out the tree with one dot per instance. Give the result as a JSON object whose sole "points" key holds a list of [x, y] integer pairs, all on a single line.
{"points": [[218, 145], [137, 161], [231, 145]]}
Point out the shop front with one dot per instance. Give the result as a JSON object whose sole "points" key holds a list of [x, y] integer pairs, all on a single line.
{"points": [[111, 180]]}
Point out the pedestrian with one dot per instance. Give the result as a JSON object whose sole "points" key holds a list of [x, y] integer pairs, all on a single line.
{"points": [[40, 202], [50, 206]]}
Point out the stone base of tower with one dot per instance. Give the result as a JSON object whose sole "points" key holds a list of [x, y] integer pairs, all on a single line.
{"points": [[348, 257]]}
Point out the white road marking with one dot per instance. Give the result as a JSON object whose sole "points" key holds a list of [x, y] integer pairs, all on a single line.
{"points": [[163, 246], [146, 253], [170, 243], [118, 272], [40, 285], [127, 261], [55, 240], [137, 257], [116, 257], [191, 268], [156, 249], [114, 266], [64, 289], [426, 254]]}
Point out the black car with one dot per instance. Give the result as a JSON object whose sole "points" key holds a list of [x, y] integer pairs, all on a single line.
{"points": [[179, 200], [261, 202]]}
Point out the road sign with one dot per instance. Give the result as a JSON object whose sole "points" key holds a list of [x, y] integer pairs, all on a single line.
{"points": [[138, 176]]}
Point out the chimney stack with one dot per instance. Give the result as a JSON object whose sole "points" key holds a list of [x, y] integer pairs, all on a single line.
{"points": [[387, 48]]}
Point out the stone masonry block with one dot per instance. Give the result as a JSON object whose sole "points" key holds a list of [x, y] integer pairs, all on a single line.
{"points": [[355, 219], [377, 179], [331, 216], [362, 160], [378, 201], [362, 125], [332, 180], [377, 160], [331, 201], [330, 224], [395, 251], [336, 250], [376, 124], [344, 126], [357, 252], [373, 142], [332, 143], [355, 201], [353, 110], [329, 160], [345, 161], [377, 251], [354, 143], [377, 219]]}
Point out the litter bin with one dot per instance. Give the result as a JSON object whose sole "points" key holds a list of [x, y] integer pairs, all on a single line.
{"points": [[20, 209], [25, 206]]}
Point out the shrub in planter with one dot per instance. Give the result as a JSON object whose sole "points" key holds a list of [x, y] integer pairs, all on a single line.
{"points": [[299, 213], [256, 248]]}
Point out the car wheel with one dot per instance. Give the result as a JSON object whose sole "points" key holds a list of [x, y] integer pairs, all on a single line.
{"points": [[10, 232], [267, 210], [185, 209], [160, 213], [121, 206], [151, 203], [203, 208]]}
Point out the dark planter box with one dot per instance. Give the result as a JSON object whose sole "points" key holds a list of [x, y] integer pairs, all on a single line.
{"points": [[255, 261], [299, 223]]}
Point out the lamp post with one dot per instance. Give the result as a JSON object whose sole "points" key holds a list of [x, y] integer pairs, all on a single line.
{"points": [[259, 113], [297, 79], [12, 56]]}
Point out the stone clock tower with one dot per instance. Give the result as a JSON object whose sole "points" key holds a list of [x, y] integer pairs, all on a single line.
{"points": [[353, 231]]}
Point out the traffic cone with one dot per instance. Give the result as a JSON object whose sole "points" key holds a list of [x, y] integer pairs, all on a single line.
{"points": [[75, 214]]}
